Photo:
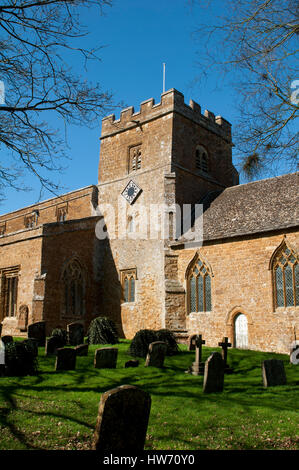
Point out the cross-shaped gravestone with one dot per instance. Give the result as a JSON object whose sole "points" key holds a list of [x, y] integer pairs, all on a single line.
{"points": [[225, 345], [197, 367]]}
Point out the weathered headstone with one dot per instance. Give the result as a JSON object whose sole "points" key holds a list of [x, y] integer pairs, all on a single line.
{"points": [[65, 359], [33, 343], [23, 317], [214, 374], [225, 345], [156, 354], [132, 363], [273, 373], [105, 358], [198, 366], [7, 339], [122, 420], [52, 344], [81, 349], [75, 333], [191, 342], [37, 331]]}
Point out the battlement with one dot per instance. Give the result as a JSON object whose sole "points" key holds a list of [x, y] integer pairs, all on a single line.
{"points": [[171, 101]]}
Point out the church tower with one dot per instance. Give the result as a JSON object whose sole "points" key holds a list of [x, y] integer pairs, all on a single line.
{"points": [[165, 154]]}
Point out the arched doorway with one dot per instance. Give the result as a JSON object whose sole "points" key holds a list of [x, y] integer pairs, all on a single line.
{"points": [[241, 331]]}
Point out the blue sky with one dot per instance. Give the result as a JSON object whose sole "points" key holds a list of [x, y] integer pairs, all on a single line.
{"points": [[138, 36]]}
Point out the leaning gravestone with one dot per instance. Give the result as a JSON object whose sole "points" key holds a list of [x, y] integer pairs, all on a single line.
{"points": [[81, 349], [37, 331], [273, 373], [122, 420], [65, 359], [214, 374], [105, 358], [156, 354], [75, 333]]}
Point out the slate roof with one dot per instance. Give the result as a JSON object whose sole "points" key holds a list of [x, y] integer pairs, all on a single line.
{"points": [[255, 207]]}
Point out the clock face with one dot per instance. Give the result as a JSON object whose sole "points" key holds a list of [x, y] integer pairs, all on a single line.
{"points": [[131, 192]]}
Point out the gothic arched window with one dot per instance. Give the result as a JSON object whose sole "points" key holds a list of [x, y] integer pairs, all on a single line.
{"points": [[128, 282], [199, 287], [73, 289], [285, 271], [201, 159]]}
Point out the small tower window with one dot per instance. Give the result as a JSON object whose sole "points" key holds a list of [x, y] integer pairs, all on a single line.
{"points": [[134, 158], [201, 159], [61, 213]]}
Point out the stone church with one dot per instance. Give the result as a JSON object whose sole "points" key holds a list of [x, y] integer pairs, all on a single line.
{"points": [[100, 250]]}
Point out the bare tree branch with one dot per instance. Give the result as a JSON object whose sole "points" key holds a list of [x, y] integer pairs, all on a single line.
{"points": [[257, 45], [36, 39]]}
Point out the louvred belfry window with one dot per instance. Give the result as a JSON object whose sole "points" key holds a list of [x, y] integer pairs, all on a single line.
{"points": [[199, 288], [285, 271]]}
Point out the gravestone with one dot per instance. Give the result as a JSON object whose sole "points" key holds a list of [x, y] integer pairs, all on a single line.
{"points": [[7, 339], [198, 366], [132, 363], [105, 358], [156, 354], [52, 344], [191, 342], [122, 421], [225, 345], [81, 349], [37, 331], [273, 373], [65, 359], [33, 343], [23, 317], [214, 374], [75, 333]]}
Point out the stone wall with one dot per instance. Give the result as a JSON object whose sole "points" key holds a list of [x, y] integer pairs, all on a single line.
{"points": [[242, 283]]}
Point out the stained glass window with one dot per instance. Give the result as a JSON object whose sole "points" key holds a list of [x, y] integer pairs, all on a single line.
{"points": [[285, 269], [199, 288]]}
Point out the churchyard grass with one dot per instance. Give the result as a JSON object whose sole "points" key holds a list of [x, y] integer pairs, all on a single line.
{"points": [[58, 410]]}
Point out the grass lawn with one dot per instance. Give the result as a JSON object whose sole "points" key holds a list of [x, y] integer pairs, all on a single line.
{"points": [[58, 410]]}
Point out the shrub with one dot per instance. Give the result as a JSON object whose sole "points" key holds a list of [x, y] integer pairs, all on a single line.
{"points": [[102, 330], [168, 337], [20, 359], [143, 338], [141, 341], [61, 336]]}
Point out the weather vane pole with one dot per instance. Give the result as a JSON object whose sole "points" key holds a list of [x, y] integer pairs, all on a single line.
{"points": [[163, 77]]}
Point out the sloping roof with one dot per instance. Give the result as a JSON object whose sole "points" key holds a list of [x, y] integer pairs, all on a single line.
{"points": [[260, 206]]}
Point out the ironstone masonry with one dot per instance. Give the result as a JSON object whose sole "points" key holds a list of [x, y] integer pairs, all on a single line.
{"points": [[174, 154]]}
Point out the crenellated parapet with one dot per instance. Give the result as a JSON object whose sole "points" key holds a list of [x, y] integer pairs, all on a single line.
{"points": [[172, 101]]}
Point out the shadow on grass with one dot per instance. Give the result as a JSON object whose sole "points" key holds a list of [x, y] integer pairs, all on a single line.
{"points": [[167, 386]]}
